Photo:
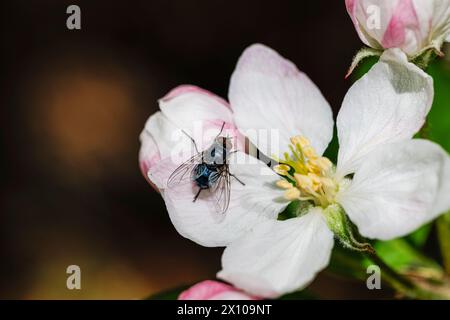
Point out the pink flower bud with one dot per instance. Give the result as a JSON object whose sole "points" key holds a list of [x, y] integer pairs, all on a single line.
{"points": [[214, 290], [411, 25]]}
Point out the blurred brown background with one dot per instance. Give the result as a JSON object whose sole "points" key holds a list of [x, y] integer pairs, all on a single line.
{"points": [[73, 105]]}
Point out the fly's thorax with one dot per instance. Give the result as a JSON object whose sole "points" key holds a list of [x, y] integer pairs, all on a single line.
{"points": [[307, 176], [218, 152]]}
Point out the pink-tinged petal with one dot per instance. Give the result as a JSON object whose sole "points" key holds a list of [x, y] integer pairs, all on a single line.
{"points": [[199, 113], [364, 15], [257, 200], [273, 101], [186, 88], [351, 6], [186, 112], [214, 290], [404, 18]]}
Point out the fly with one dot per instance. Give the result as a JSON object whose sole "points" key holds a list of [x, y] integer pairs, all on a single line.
{"points": [[208, 170]]}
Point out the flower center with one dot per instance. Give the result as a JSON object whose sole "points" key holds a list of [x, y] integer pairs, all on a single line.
{"points": [[307, 176]]}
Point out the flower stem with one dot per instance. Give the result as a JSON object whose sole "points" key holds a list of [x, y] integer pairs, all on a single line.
{"points": [[443, 230], [401, 283]]}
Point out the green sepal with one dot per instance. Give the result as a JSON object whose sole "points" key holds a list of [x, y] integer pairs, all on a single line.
{"points": [[425, 56], [362, 54], [344, 230]]}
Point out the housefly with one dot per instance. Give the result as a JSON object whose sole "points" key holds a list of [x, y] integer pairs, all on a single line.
{"points": [[208, 170]]}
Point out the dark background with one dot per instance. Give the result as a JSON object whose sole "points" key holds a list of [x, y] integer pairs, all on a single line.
{"points": [[73, 103]]}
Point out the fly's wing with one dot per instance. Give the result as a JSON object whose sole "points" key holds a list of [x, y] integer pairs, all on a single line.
{"points": [[221, 190], [183, 174]]}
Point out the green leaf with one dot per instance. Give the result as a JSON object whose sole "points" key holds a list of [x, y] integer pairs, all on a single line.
{"points": [[439, 117], [401, 256], [420, 236]]}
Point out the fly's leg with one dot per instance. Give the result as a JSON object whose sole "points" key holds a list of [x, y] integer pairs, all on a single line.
{"points": [[237, 179], [192, 139], [197, 195], [221, 129]]}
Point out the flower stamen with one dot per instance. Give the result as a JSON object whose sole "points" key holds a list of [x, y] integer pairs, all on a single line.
{"points": [[307, 175]]}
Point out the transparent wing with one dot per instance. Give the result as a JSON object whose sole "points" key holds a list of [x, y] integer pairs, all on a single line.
{"points": [[183, 173], [221, 190]]}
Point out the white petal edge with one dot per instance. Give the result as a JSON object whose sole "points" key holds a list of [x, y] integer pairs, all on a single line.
{"points": [[258, 200], [273, 101], [148, 153], [278, 257], [388, 104], [398, 188], [166, 136]]}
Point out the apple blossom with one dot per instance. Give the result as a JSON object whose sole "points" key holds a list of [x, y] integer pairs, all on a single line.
{"points": [[387, 183], [214, 290]]}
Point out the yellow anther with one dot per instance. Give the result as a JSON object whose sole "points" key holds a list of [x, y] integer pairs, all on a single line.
{"points": [[309, 152], [292, 194], [282, 169], [327, 182], [313, 174], [304, 181], [319, 165], [284, 184], [324, 163], [316, 181], [300, 141]]}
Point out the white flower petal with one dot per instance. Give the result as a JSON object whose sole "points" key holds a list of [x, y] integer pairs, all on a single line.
{"points": [[259, 199], [388, 104], [268, 93], [279, 257], [398, 188]]}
